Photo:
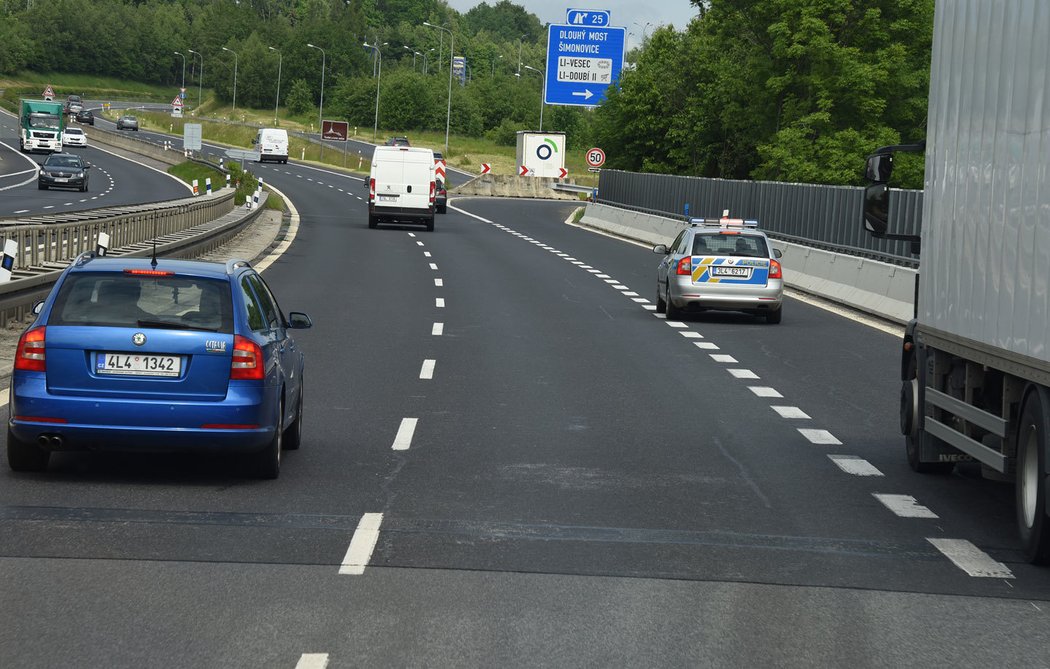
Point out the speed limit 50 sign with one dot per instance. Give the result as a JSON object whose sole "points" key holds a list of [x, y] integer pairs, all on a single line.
{"points": [[595, 157]]}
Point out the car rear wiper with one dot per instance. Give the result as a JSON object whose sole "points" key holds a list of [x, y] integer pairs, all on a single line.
{"points": [[173, 326]]}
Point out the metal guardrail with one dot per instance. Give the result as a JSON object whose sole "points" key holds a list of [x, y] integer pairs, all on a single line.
{"points": [[54, 238], [812, 214], [31, 284]]}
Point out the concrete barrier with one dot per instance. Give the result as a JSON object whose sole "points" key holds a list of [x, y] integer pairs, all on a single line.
{"points": [[120, 140], [500, 185], [875, 287]]}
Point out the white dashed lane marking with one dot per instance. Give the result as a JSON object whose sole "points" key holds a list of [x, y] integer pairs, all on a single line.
{"points": [[764, 391], [970, 558], [790, 412], [689, 334], [433, 266], [439, 283], [439, 302], [312, 661], [820, 437], [438, 329], [362, 544], [403, 439], [743, 374], [904, 506], [706, 345], [722, 357], [676, 324], [857, 466], [426, 372]]}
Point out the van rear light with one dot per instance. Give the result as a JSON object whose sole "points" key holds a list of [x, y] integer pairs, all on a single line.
{"points": [[372, 189], [685, 267], [29, 356], [433, 191], [247, 361], [775, 272]]}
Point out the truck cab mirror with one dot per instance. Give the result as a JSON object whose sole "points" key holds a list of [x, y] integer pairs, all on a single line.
{"points": [[876, 208], [879, 168], [255, 140]]}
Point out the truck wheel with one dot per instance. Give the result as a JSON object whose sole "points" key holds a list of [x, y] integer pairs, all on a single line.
{"points": [[1032, 435], [910, 415]]}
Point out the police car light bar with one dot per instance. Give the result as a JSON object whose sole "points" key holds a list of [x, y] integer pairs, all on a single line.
{"points": [[725, 222]]}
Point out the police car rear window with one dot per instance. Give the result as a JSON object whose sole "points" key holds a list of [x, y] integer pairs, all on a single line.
{"points": [[737, 245]]}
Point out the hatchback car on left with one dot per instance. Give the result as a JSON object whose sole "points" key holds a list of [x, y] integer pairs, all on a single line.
{"points": [[172, 355]]}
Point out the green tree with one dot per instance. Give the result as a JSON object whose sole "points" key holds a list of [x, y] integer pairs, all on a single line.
{"points": [[300, 98]]}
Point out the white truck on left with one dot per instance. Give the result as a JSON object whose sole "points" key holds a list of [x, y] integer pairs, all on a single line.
{"points": [[41, 124]]}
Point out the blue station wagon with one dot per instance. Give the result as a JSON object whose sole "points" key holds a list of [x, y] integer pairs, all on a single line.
{"points": [[164, 355]]}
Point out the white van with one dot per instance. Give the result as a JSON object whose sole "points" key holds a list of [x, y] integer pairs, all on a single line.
{"points": [[401, 186], [272, 144]]}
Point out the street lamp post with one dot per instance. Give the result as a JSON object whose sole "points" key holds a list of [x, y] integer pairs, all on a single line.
{"points": [[320, 111], [543, 90], [451, 51], [200, 79], [277, 101], [379, 54], [234, 76], [183, 71], [519, 54]]}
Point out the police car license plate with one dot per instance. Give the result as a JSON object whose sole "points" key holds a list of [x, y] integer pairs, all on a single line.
{"points": [[138, 365], [732, 271]]}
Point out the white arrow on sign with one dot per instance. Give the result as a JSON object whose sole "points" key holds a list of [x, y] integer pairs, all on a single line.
{"points": [[586, 95]]}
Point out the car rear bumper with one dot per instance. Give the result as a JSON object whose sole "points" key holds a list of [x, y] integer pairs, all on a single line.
{"points": [[401, 213], [685, 295], [243, 421]]}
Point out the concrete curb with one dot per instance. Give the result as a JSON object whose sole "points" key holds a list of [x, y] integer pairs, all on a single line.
{"points": [[878, 288]]}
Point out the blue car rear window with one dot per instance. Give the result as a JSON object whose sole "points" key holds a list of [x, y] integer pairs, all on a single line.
{"points": [[108, 299], [742, 246]]}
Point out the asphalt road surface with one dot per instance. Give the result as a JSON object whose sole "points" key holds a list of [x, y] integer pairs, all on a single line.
{"points": [[510, 460], [113, 179]]}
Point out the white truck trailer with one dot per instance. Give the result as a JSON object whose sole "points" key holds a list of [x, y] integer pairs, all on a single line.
{"points": [[975, 364]]}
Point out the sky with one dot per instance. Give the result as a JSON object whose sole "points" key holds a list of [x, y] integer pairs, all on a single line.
{"points": [[625, 13]]}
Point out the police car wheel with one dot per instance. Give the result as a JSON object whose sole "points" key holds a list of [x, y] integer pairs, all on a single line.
{"points": [[773, 317], [670, 309], [661, 306]]}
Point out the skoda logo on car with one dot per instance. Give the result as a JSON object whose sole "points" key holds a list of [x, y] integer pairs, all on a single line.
{"points": [[138, 339]]}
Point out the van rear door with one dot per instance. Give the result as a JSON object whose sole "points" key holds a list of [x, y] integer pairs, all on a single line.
{"points": [[403, 179]]}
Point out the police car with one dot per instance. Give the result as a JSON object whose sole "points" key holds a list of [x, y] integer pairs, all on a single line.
{"points": [[726, 264]]}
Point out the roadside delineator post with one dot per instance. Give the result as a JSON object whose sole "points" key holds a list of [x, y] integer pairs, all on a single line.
{"points": [[227, 180], [207, 186], [195, 191], [7, 261]]}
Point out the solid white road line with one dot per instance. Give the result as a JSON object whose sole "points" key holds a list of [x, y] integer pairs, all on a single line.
{"points": [[439, 283], [707, 345], [427, 371], [289, 235], [970, 558], [312, 661], [721, 357], [439, 302], [743, 373], [851, 464], [790, 412], [4, 396], [362, 544], [405, 432], [904, 506], [819, 436], [438, 329], [689, 334], [764, 391], [433, 266]]}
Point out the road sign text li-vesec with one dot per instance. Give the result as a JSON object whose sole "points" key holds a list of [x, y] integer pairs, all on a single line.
{"points": [[582, 62]]}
